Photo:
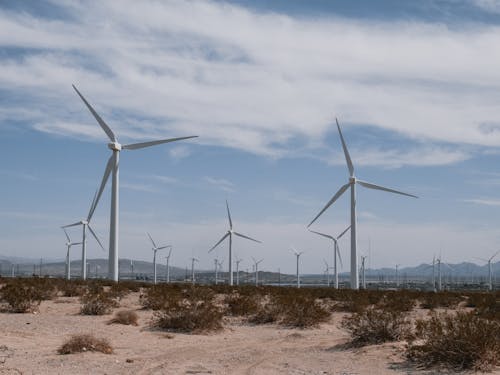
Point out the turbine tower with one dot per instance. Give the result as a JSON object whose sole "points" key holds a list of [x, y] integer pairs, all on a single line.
{"points": [[353, 181], [85, 223], [397, 275], [256, 264], [238, 261], [327, 271], [490, 281], [229, 234], [297, 254], [155, 249], [193, 259], [168, 264], [68, 263], [336, 251], [363, 279], [112, 167]]}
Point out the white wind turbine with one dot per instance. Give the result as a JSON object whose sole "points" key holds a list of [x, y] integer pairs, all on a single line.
{"points": [[168, 264], [363, 279], [353, 181], [193, 259], [297, 254], [68, 262], [336, 251], [490, 282], [397, 275], [229, 234], [327, 271], [155, 249], [256, 264], [238, 261], [113, 166], [85, 223]]}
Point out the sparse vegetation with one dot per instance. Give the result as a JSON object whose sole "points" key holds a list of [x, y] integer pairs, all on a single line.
{"points": [[375, 326], [97, 301], [126, 317], [459, 341], [21, 298], [85, 343]]}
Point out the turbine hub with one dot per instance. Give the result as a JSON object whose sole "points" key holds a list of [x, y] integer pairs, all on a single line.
{"points": [[352, 180], [84, 222], [115, 146]]}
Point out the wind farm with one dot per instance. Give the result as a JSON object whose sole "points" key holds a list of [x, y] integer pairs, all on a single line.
{"points": [[322, 197]]}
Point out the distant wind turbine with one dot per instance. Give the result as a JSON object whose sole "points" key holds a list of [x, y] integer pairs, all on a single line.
{"points": [[297, 254], [327, 271], [336, 252], [238, 261], [363, 279], [353, 181], [85, 223], [112, 166], [155, 249], [168, 264], [229, 234], [490, 282], [68, 262], [193, 259], [397, 275], [256, 264]]}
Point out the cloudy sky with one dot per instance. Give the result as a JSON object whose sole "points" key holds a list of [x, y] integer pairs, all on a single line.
{"points": [[415, 86]]}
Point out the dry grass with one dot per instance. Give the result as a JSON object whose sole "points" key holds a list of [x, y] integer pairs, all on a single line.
{"points": [[97, 301], [85, 343], [126, 317]]}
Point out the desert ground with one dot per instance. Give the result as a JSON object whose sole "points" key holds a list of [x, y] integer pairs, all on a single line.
{"points": [[29, 344]]}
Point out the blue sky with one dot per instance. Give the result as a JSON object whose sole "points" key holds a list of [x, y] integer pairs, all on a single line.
{"points": [[415, 86]]}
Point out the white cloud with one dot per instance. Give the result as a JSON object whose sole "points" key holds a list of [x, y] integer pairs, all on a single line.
{"points": [[492, 6], [484, 202], [255, 81], [220, 183]]}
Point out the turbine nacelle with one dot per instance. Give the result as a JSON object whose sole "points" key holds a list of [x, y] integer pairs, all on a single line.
{"points": [[352, 180], [115, 146]]}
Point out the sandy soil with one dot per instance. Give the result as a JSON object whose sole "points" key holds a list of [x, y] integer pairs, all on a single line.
{"points": [[29, 343]]}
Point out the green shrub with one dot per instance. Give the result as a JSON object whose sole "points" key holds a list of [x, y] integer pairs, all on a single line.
{"points": [[459, 341], [301, 311]]}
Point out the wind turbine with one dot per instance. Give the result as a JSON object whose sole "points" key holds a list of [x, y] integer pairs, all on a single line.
{"points": [[439, 262], [68, 263], [168, 264], [363, 280], [112, 167], [216, 269], [155, 249], [336, 251], [193, 259], [327, 271], [256, 263], [490, 283], [85, 223], [397, 275], [238, 261], [297, 254], [229, 234], [353, 181]]}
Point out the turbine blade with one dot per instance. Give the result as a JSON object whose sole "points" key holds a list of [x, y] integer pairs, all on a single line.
{"points": [[101, 122], [335, 197], [326, 264], [494, 255], [76, 243], [72, 225], [229, 216], [170, 252], [322, 234], [89, 216], [163, 247], [218, 243], [377, 187], [66, 233], [344, 232], [107, 172], [346, 152], [135, 146], [96, 238], [248, 238], [151, 238]]}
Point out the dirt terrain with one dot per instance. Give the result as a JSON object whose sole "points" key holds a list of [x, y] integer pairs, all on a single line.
{"points": [[29, 343]]}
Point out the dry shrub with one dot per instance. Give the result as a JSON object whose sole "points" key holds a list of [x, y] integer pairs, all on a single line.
{"points": [[189, 310], [85, 343], [301, 311], [402, 300], [241, 305], [374, 326], [21, 298], [433, 300], [156, 297], [72, 289], [487, 305], [97, 301], [127, 317], [458, 341]]}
